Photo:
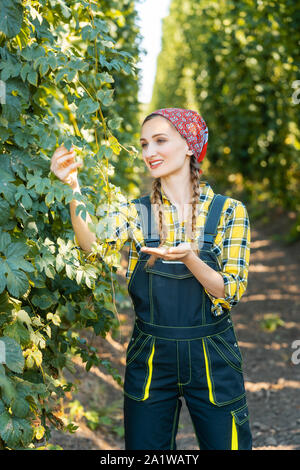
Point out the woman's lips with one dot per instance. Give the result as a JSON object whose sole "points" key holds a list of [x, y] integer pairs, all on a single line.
{"points": [[155, 164]]}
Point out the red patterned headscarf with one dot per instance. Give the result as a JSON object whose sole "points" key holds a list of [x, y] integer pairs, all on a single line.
{"points": [[191, 126]]}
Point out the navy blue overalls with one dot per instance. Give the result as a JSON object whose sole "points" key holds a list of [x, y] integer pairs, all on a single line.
{"points": [[178, 348]]}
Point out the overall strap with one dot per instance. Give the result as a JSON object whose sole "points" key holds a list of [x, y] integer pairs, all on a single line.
{"points": [[147, 219], [213, 217]]}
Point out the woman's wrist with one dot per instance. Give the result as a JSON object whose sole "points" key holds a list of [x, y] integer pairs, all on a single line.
{"points": [[189, 257]]}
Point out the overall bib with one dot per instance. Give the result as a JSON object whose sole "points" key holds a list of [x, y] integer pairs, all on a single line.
{"points": [[179, 349]]}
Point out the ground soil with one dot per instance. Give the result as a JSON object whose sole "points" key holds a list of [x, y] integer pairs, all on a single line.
{"points": [[272, 377]]}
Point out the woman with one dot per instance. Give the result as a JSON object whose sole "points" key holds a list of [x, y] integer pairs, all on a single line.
{"points": [[188, 266]]}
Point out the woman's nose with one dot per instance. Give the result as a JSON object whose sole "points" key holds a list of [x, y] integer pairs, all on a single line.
{"points": [[150, 150]]}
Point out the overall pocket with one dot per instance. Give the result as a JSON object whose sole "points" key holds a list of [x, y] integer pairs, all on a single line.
{"points": [[226, 345], [139, 366], [223, 365], [241, 438], [136, 344]]}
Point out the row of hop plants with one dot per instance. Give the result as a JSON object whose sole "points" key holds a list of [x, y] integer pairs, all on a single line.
{"points": [[65, 70]]}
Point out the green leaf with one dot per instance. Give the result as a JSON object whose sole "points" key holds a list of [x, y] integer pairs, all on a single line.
{"points": [[10, 69], [2, 279], [18, 332], [26, 69], [14, 359], [27, 431], [43, 301], [32, 77], [89, 314], [10, 430], [4, 134], [87, 106], [20, 407], [2, 407], [6, 188], [15, 430], [105, 96], [5, 241], [8, 391], [115, 123], [16, 281], [33, 51], [11, 17], [23, 316], [44, 68], [6, 308], [16, 250]]}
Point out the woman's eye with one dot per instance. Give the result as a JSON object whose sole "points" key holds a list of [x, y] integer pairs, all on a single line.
{"points": [[158, 140]]}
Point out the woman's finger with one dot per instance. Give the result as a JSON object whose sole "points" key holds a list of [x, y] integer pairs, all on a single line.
{"points": [[154, 251]]}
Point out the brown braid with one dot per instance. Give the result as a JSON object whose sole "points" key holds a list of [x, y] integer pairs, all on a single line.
{"points": [[156, 202], [157, 205], [195, 180]]}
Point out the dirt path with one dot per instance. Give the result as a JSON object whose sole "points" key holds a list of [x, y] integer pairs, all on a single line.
{"points": [[272, 380]]}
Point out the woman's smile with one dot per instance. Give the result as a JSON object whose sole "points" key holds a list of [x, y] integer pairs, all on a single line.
{"points": [[155, 163]]}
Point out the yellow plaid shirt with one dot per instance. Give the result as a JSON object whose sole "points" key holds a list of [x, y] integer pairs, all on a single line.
{"points": [[231, 244]]}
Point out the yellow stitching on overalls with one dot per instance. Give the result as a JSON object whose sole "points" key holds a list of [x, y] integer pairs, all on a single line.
{"points": [[150, 368], [213, 386], [146, 379], [139, 350], [150, 297], [234, 413], [231, 364], [203, 307], [180, 383], [174, 276], [196, 326], [209, 381], [134, 342], [134, 271], [173, 427], [240, 408], [238, 345], [234, 436], [227, 346], [183, 339], [214, 255]]}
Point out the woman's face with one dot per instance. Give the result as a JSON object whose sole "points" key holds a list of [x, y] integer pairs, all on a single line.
{"points": [[164, 146]]}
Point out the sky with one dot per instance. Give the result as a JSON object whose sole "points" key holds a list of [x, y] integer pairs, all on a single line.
{"points": [[150, 14]]}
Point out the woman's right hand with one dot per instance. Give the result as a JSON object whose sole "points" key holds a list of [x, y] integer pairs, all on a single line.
{"points": [[64, 166]]}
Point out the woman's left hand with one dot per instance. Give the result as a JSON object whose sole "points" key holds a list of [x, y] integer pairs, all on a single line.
{"points": [[179, 252]]}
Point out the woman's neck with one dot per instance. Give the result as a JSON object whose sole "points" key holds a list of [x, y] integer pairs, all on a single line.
{"points": [[179, 192]]}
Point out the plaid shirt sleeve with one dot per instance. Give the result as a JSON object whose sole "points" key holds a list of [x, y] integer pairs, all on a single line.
{"points": [[232, 246]]}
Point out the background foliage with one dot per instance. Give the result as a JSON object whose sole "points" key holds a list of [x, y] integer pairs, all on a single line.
{"points": [[70, 75], [238, 63]]}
